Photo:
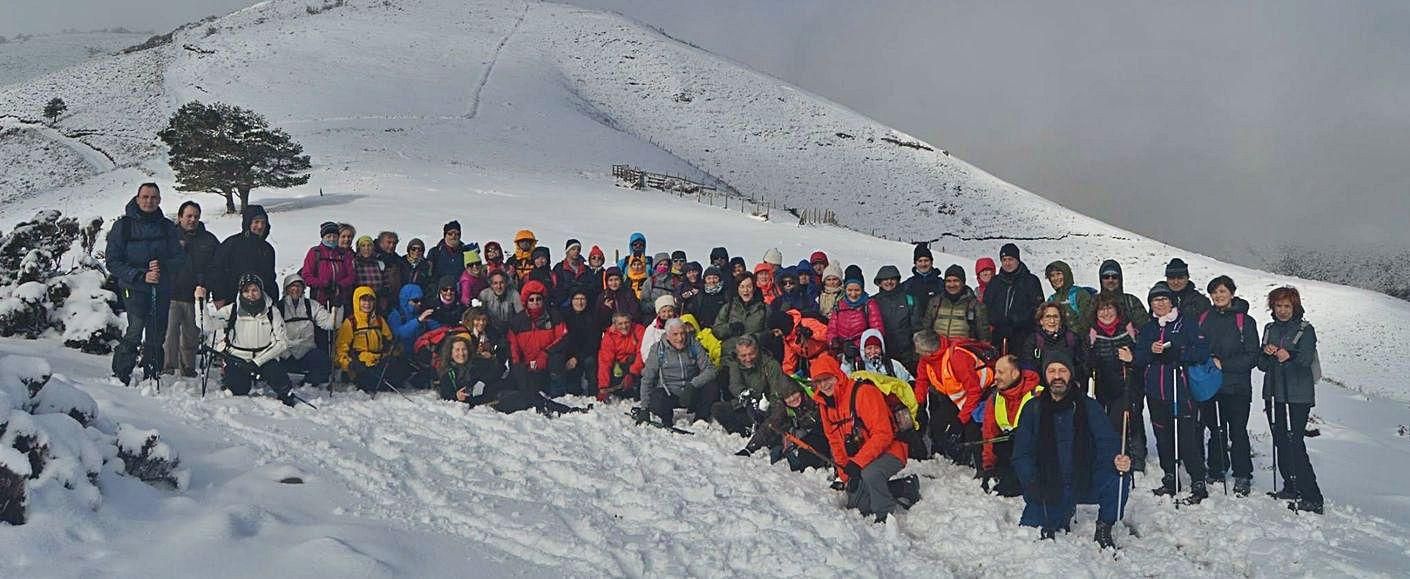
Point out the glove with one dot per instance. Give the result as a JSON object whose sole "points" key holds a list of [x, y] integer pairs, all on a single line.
{"points": [[736, 328], [805, 333], [602, 395], [628, 382], [853, 472], [742, 452], [837, 485]]}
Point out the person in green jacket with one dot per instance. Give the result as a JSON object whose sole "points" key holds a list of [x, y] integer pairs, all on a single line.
{"points": [[1078, 301]]}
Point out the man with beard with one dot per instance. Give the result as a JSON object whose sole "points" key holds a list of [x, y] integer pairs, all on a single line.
{"points": [[1065, 454]]}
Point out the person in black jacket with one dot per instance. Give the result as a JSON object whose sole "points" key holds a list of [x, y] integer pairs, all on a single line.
{"points": [[580, 344], [1053, 334], [899, 315], [925, 281], [246, 252], [712, 297], [1117, 384], [1187, 299], [182, 334], [1233, 343], [144, 255], [1011, 298]]}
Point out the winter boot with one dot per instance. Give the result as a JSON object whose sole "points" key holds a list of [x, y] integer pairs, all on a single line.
{"points": [[1288, 492], [1306, 506], [1166, 488], [906, 490], [1214, 478], [1103, 536], [1047, 534], [1198, 492], [1242, 486]]}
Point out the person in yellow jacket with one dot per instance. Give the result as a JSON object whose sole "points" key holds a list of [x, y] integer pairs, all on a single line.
{"points": [[365, 347], [706, 337]]}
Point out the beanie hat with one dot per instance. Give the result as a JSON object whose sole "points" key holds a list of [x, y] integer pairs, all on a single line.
{"points": [[327, 228], [818, 257], [887, 272], [665, 301], [805, 268], [853, 275], [613, 271], [789, 272], [1055, 356], [596, 252], [571, 242], [984, 263], [712, 270], [540, 250], [832, 270], [661, 257], [1177, 268], [1009, 250], [446, 282], [922, 250], [471, 256], [1110, 267], [1160, 290], [736, 260], [955, 271], [416, 242], [453, 225], [677, 255], [719, 253], [773, 257], [364, 239]]}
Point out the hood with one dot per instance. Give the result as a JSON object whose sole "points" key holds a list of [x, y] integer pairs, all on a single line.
{"points": [[497, 248], [826, 365], [362, 290], [1237, 305], [635, 237], [984, 263], [871, 333], [689, 320], [251, 213], [525, 235], [773, 256], [1027, 382], [1067, 281], [409, 292], [291, 278], [1112, 264]]}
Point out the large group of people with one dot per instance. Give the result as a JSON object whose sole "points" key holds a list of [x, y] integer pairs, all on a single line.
{"points": [[1045, 396]]}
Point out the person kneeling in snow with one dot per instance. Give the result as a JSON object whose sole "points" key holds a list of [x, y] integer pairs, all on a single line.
{"points": [[250, 340], [1065, 454], [862, 438], [676, 373], [303, 317], [793, 431], [365, 346], [459, 379], [1016, 388]]}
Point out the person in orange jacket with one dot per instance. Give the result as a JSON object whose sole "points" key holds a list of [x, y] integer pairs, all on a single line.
{"points": [[949, 368], [803, 338], [857, 421], [1015, 389], [619, 361]]}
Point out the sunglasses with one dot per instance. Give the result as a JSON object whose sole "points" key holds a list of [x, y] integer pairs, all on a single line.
{"points": [[788, 283], [446, 290], [415, 249]]}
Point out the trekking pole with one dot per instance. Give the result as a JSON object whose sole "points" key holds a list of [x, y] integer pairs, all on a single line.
{"points": [[1175, 431], [1223, 445], [1121, 483], [200, 349], [801, 444], [995, 440]]}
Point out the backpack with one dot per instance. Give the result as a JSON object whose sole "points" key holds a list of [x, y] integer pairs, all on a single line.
{"points": [[1238, 321], [903, 410], [1205, 380], [308, 307], [426, 350], [1297, 337]]}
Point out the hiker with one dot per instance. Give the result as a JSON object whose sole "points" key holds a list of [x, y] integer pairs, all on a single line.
{"points": [[856, 313], [1077, 300], [744, 315], [393, 265], [330, 274], [636, 252], [1234, 347], [346, 234], [831, 293], [861, 436], [365, 347], [182, 335], [1014, 389], [689, 290], [706, 337], [473, 280], [1011, 298], [1065, 454], [501, 303], [245, 252], [144, 255], [1184, 296], [984, 270], [791, 295], [250, 339], [369, 271], [809, 282], [875, 358], [1054, 333], [755, 383], [1169, 344], [303, 320], [619, 359], [677, 373], [956, 312], [1291, 371], [764, 283], [458, 380], [797, 415], [958, 375], [899, 314], [925, 281], [411, 318], [665, 312], [572, 275], [447, 257], [1111, 343], [803, 339], [418, 268], [617, 297], [534, 336], [1130, 308], [580, 345], [445, 306]]}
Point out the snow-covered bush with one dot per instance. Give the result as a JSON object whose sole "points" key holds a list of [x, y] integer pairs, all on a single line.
{"points": [[52, 446], [51, 281]]}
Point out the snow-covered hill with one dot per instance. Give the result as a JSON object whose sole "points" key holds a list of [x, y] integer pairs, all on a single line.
{"points": [[509, 114], [23, 59]]}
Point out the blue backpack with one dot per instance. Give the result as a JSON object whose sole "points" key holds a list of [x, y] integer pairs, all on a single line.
{"points": [[1205, 380]]}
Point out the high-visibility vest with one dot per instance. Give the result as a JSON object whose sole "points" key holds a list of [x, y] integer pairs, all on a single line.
{"points": [[1001, 410], [949, 384]]}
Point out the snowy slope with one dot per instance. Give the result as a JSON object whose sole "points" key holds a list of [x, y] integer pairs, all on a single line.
{"points": [[23, 60], [507, 115]]}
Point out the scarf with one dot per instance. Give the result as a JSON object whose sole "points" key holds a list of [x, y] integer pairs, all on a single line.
{"points": [[1049, 473], [252, 308], [329, 244], [857, 305], [1170, 317], [714, 289], [1108, 329]]}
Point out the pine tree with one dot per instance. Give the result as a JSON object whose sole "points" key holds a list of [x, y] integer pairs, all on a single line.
{"points": [[229, 151], [56, 107]]}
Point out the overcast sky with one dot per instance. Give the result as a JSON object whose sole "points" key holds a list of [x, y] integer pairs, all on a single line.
{"points": [[1216, 126]]}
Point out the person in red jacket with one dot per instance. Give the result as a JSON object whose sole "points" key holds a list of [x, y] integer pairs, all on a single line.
{"points": [[984, 271], [860, 434], [957, 377], [803, 339], [1016, 387], [619, 361], [533, 335]]}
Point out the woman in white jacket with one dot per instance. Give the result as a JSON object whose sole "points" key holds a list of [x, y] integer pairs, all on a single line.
{"points": [[303, 317], [250, 339]]}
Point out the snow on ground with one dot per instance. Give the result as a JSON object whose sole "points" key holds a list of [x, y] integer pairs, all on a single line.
{"points": [[507, 115], [23, 60]]}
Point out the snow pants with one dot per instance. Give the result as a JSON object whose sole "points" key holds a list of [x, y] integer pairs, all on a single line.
{"points": [[239, 381], [872, 494], [1289, 432], [314, 366], [1190, 439]]}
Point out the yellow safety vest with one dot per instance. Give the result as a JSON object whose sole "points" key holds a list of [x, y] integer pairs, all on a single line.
{"points": [[1001, 410]]}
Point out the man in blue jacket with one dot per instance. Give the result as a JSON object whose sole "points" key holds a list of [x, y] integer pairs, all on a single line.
{"points": [[1065, 453], [144, 255]]}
